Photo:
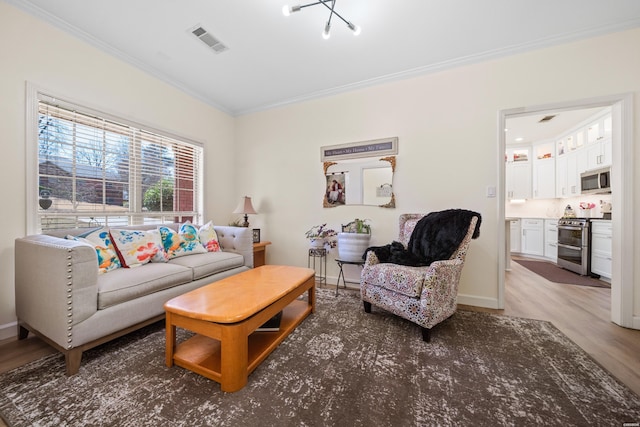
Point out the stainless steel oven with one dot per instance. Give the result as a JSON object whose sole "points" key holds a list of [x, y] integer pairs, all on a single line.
{"points": [[573, 245]]}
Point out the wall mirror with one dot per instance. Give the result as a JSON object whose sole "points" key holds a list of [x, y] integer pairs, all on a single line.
{"points": [[360, 182]]}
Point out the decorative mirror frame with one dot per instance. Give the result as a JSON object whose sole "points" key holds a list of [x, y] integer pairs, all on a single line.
{"points": [[392, 201], [392, 161]]}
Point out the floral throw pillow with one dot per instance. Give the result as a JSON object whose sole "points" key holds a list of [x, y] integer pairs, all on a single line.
{"points": [[136, 247], [181, 243], [209, 237], [100, 239]]}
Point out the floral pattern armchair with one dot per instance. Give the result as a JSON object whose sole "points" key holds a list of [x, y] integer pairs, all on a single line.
{"points": [[423, 295]]}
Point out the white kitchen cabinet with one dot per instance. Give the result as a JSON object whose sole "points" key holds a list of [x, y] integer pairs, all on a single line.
{"points": [[599, 143], [599, 154], [532, 235], [601, 247], [600, 129], [515, 236], [572, 174], [568, 169], [593, 132], [561, 177], [518, 174], [551, 239], [518, 180], [544, 178]]}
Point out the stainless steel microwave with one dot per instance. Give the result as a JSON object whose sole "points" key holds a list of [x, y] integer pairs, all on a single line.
{"points": [[596, 181]]}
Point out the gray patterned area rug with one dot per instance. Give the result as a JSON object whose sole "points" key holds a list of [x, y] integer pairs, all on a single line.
{"points": [[340, 367]]}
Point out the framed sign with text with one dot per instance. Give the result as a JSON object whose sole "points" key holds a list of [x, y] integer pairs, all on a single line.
{"points": [[355, 150]]}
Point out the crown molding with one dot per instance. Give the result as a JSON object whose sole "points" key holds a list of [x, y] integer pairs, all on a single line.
{"points": [[454, 63]]}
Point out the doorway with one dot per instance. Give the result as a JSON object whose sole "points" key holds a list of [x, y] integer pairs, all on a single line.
{"points": [[622, 285]]}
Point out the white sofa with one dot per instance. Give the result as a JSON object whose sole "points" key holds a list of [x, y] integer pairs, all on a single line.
{"points": [[61, 298]]}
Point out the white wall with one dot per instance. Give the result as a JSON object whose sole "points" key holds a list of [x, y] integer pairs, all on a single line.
{"points": [[53, 60], [448, 150]]}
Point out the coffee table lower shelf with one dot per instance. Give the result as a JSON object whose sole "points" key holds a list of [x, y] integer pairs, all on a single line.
{"points": [[202, 354]]}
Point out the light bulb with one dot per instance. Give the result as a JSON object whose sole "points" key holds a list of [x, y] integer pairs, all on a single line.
{"points": [[326, 34], [356, 30], [286, 10]]}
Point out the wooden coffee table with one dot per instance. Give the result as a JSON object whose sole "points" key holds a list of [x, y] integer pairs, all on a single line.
{"points": [[224, 316]]}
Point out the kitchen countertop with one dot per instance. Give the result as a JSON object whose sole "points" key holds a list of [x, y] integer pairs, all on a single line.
{"points": [[515, 218]]}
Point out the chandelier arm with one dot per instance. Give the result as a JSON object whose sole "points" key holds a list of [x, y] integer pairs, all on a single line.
{"points": [[331, 8], [333, 11], [313, 4], [333, 5], [338, 15]]}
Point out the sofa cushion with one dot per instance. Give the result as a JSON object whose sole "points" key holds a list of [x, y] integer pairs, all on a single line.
{"points": [[138, 247], [209, 237], [398, 278], [126, 284], [100, 239], [209, 263], [181, 243]]}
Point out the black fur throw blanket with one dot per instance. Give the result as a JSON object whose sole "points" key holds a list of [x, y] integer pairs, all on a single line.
{"points": [[435, 237]]}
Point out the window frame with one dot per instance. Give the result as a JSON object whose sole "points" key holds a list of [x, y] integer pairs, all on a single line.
{"points": [[33, 218]]}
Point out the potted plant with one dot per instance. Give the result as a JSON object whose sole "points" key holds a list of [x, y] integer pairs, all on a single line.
{"points": [[586, 207], [354, 240], [321, 236]]}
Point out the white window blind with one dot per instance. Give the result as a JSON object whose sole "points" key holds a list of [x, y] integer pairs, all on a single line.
{"points": [[94, 169]]}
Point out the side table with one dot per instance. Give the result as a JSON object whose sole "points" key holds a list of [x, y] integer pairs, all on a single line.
{"points": [[342, 262], [260, 254], [319, 255]]}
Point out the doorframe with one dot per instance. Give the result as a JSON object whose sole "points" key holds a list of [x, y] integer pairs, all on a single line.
{"points": [[622, 276]]}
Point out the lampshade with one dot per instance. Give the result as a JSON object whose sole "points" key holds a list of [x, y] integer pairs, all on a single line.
{"points": [[245, 207]]}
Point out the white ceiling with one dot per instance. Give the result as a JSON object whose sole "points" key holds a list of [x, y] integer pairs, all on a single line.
{"points": [[274, 60], [528, 129]]}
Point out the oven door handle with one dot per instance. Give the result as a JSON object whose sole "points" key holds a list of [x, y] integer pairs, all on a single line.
{"points": [[576, 248], [569, 227]]}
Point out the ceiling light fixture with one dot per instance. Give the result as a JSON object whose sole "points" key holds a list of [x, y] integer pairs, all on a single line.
{"points": [[329, 4]]}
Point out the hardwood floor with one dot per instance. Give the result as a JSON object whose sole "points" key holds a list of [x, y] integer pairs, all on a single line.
{"points": [[582, 313]]}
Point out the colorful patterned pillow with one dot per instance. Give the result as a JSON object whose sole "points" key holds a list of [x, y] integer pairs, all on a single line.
{"points": [[184, 242], [101, 240], [209, 237], [136, 247]]}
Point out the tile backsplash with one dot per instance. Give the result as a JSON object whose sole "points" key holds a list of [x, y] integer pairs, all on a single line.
{"points": [[554, 208]]}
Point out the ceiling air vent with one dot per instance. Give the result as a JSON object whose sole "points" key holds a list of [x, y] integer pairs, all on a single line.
{"points": [[546, 119], [206, 38]]}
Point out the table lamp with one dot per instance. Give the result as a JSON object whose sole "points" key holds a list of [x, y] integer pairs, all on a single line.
{"points": [[245, 207]]}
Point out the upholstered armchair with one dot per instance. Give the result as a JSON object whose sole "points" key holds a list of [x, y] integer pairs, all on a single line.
{"points": [[425, 295]]}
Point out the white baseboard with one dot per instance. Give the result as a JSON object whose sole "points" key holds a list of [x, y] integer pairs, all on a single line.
{"points": [[478, 301], [8, 330], [462, 299], [636, 322]]}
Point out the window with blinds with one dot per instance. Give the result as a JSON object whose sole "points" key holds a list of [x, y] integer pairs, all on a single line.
{"points": [[95, 170]]}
